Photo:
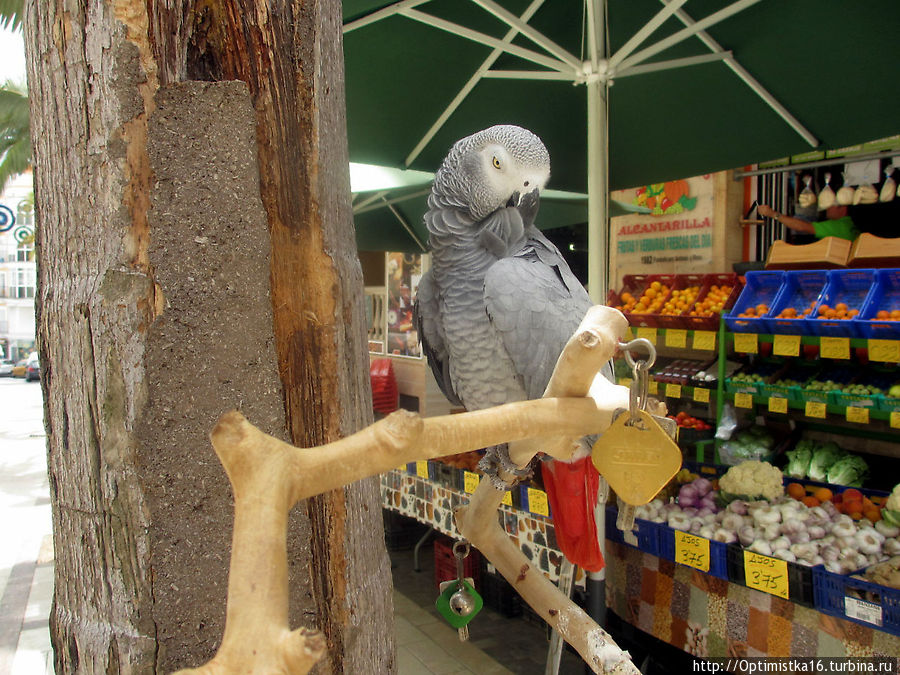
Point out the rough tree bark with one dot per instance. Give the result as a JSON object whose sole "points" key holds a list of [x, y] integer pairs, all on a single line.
{"points": [[195, 254]]}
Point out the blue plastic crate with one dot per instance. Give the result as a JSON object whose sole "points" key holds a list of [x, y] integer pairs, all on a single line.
{"points": [[760, 288], [851, 287], [885, 295], [718, 566], [857, 600], [646, 532], [799, 290]]}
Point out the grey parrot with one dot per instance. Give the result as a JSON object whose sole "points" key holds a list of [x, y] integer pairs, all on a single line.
{"points": [[500, 302]]}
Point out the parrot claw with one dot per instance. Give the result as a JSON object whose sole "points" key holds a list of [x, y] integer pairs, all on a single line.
{"points": [[496, 459]]}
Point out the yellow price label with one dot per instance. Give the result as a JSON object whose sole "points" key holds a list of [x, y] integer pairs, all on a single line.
{"points": [[748, 343], [676, 337], [778, 404], [701, 394], [895, 419], [507, 498], [673, 390], [767, 574], [626, 381], [646, 333], [743, 400], [537, 502], [786, 345], [422, 469], [652, 387], [886, 351], [834, 348], [816, 409], [705, 340], [470, 481], [692, 550], [857, 414]]}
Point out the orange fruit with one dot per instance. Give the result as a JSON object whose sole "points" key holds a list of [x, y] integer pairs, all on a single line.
{"points": [[762, 309], [655, 285], [841, 306], [873, 514], [823, 494], [810, 501], [895, 314], [883, 314], [824, 309], [796, 490]]}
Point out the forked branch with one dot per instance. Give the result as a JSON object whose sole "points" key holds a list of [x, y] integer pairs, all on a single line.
{"points": [[269, 476]]}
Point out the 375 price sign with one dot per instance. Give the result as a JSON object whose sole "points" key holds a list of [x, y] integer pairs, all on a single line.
{"points": [[765, 573], [692, 550]]}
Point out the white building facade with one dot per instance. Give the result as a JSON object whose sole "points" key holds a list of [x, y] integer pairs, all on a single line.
{"points": [[18, 273]]}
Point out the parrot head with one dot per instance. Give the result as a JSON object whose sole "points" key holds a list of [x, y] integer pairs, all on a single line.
{"points": [[496, 168]]}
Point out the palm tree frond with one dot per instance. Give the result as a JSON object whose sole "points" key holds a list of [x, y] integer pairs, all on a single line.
{"points": [[11, 14], [16, 160]]}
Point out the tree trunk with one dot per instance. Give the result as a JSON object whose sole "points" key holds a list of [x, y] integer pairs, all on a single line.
{"points": [[196, 254]]}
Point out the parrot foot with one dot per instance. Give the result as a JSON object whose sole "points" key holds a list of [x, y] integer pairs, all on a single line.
{"points": [[496, 459]]}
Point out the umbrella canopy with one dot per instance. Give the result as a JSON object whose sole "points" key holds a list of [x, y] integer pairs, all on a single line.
{"points": [[390, 219], [687, 86]]}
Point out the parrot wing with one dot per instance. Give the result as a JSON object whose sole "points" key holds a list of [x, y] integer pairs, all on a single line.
{"points": [[535, 303], [427, 320]]}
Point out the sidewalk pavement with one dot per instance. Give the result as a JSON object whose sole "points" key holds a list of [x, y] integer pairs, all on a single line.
{"points": [[26, 544]]}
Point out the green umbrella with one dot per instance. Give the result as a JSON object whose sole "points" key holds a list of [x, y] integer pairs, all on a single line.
{"points": [[390, 218], [623, 92]]}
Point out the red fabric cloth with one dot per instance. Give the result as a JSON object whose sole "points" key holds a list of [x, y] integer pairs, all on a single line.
{"points": [[572, 493]]}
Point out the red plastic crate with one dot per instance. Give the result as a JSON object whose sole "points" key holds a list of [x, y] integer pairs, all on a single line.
{"points": [[682, 281], [445, 563], [710, 280], [636, 284]]}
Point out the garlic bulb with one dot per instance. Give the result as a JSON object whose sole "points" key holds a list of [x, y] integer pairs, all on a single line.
{"points": [[865, 194], [826, 195], [889, 189]]}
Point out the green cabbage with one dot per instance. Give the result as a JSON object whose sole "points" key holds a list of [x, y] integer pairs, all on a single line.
{"points": [[799, 459], [823, 457], [849, 470]]}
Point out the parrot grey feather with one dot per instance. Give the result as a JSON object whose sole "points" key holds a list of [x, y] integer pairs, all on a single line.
{"points": [[430, 330], [500, 302]]}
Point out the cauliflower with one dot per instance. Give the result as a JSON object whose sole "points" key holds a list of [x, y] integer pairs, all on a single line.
{"points": [[891, 510], [753, 479], [893, 502]]}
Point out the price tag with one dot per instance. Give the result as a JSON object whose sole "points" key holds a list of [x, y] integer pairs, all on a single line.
{"points": [[675, 337], [422, 469], [886, 351], [701, 394], [816, 409], [673, 390], [863, 611], [857, 414], [895, 420], [786, 345], [748, 343], [507, 498], [743, 400], [766, 574], [834, 347], [470, 481], [778, 404], [652, 387], [692, 550], [537, 502], [648, 333], [705, 340]]}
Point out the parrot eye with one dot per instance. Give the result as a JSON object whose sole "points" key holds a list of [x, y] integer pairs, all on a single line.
{"points": [[496, 163]]}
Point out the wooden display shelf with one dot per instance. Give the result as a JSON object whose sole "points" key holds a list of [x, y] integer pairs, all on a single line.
{"points": [[871, 251], [827, 253]]}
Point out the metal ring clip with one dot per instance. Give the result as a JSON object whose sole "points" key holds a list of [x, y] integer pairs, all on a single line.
{"points": [[635, 345]]}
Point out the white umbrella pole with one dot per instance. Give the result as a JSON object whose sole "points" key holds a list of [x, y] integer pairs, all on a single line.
{"points": [[597, 188]]}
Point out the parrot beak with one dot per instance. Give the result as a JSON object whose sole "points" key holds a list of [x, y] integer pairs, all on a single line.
{"points": [[514, 200]]}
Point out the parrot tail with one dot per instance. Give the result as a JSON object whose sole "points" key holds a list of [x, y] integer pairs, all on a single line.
{"points": [[572, 492]]}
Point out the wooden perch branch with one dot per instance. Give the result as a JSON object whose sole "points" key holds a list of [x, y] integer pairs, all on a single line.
{"points": [[269, 476]]}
